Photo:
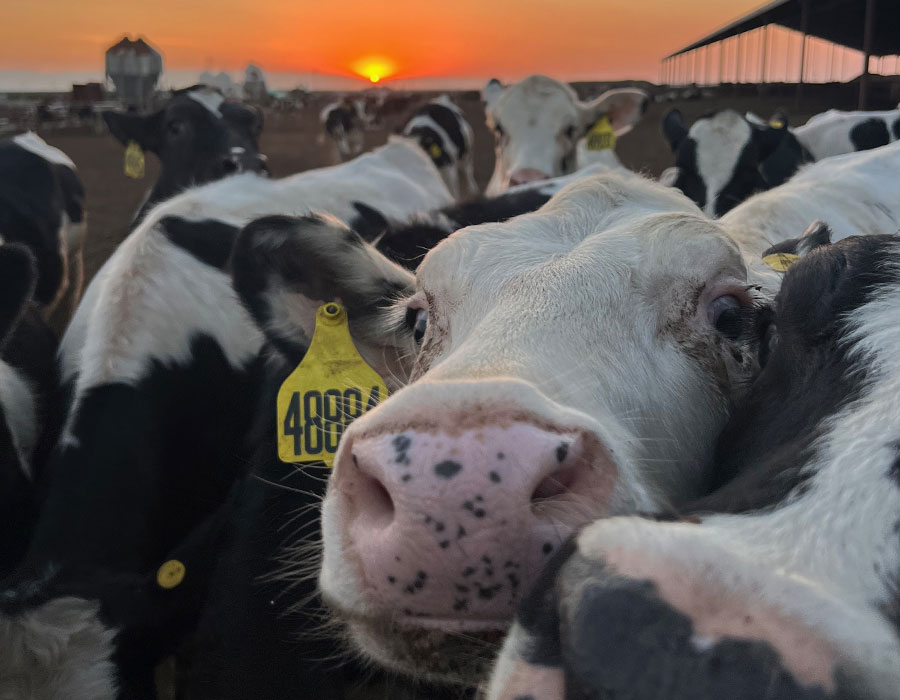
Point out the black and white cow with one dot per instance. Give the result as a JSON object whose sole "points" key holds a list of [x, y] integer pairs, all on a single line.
{"points": [[835, 132], [443, 132], [539, 122], [341, 122], [725, 157], [42, 207], [162, 366], [198, 137], [27, 391], [571, 364], [783, 583]]}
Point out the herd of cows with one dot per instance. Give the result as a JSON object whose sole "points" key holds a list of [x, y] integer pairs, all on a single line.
{"points": [[642, 439]]}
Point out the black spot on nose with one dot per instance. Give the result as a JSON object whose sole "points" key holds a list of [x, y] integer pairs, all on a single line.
{"points": [[495, 477], [447, 469], [562, 451], [547, 548]]}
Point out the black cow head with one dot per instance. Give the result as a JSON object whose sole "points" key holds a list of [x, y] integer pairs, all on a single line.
{"points": [[725, 157], [198, 137]]}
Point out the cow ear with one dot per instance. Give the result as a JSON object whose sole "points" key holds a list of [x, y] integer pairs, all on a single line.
{"points": [[816, 235], [18, 275], [674, 129], [284, 268], [145, 131], [623, 106], [669, 176], [492, 92]]}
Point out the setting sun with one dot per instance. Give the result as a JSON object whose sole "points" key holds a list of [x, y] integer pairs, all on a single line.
{"points": [[375, 68]]}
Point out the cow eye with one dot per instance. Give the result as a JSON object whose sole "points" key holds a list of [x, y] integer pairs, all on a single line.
{"points": [[498, 129], [417, 320], [724, 314]]}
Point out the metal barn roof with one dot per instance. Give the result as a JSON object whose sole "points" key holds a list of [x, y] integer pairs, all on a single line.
{"points": [[839, 21]]}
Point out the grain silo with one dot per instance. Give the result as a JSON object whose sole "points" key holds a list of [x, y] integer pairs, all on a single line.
{"points": [[134, 67]]}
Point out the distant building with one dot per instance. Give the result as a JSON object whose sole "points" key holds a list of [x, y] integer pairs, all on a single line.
{"points": [[222, 81], [255, 89], [134, 67]]}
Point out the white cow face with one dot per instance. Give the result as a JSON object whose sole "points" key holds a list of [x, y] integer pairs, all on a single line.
{"points": [[574, 363], [538, 122]]}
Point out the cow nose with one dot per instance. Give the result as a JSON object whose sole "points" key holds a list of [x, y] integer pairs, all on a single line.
{"points": [[231, 165], [523, 176], [456, 524]]}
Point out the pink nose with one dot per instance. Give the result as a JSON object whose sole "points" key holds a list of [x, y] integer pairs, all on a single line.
{"points": [[456, 525], [523, 176]]}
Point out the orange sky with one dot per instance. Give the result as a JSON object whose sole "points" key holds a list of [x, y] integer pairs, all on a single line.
{"points": [[459, 38]]}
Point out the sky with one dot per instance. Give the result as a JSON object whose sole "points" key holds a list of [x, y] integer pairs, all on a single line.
{"points": [[322, 43]]}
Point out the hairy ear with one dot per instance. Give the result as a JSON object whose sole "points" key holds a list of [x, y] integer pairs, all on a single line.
{"points": [[673, 128], [285, 267], [146, 131], [18, 274], [492, 91], [816, 235], [623, 106]]}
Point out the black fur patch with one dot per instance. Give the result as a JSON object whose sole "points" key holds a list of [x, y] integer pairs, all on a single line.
{"points": [[896, 128], [431, 142], [448, 120], [208, 240], [869, 134], [369, 222]]}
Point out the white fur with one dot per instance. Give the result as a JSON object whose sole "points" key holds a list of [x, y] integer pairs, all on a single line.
{"points": [[30, 141], [210, 98], [828, 134], [534, 115], [20, 412], [855, 194], [723, 137], [58, 651]]}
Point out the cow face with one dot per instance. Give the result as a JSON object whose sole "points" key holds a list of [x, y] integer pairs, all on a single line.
{"points": [[538, 122], [197, 136], [724, 158], [573, 363]]}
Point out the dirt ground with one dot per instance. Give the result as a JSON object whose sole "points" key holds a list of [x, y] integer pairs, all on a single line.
{"points": [[294, 142]]}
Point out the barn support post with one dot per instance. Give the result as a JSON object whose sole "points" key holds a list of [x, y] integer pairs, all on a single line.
{"points": [[737, 59], [804, 38], [721, 61], [764, 54], [867, 53]]}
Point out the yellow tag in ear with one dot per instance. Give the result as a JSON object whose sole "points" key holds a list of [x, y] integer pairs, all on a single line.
{"points": [[435, 151], [170, 574], [780, 262], [134, 161], [601, 137], [776, 124], [327, 390]]}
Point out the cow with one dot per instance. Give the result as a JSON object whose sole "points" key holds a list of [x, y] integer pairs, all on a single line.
{"points": [[724, 157], [342, 123], [571, 364], [783, 582], [538, 123], [27, 394], [444, 134], [161, 365], [198, 137], [835, 132], [42, 207]]}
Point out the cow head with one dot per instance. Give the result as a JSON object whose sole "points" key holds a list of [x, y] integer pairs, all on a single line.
{"points": [[724, 157], [572, 363], [538, 122], [198, 137]]}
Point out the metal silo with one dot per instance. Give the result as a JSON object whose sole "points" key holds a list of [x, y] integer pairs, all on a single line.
{"points": [[134, 67]]}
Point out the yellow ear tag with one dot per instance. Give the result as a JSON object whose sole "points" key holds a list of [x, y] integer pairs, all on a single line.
{"points": [[601, 137], [325, 392], [780, 262], [170, 574], [435, 151], [134, 161], [776, 124]]}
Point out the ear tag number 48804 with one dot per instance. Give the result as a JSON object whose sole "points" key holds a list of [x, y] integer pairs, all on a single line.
{"points": [[325, 392]]}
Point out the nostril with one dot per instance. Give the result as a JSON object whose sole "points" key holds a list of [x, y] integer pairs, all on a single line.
{"points": [[375, 504], [230, 165], [555, 484]]}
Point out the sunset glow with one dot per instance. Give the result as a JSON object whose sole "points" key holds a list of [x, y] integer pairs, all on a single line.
{"points": [[374, 68]]}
